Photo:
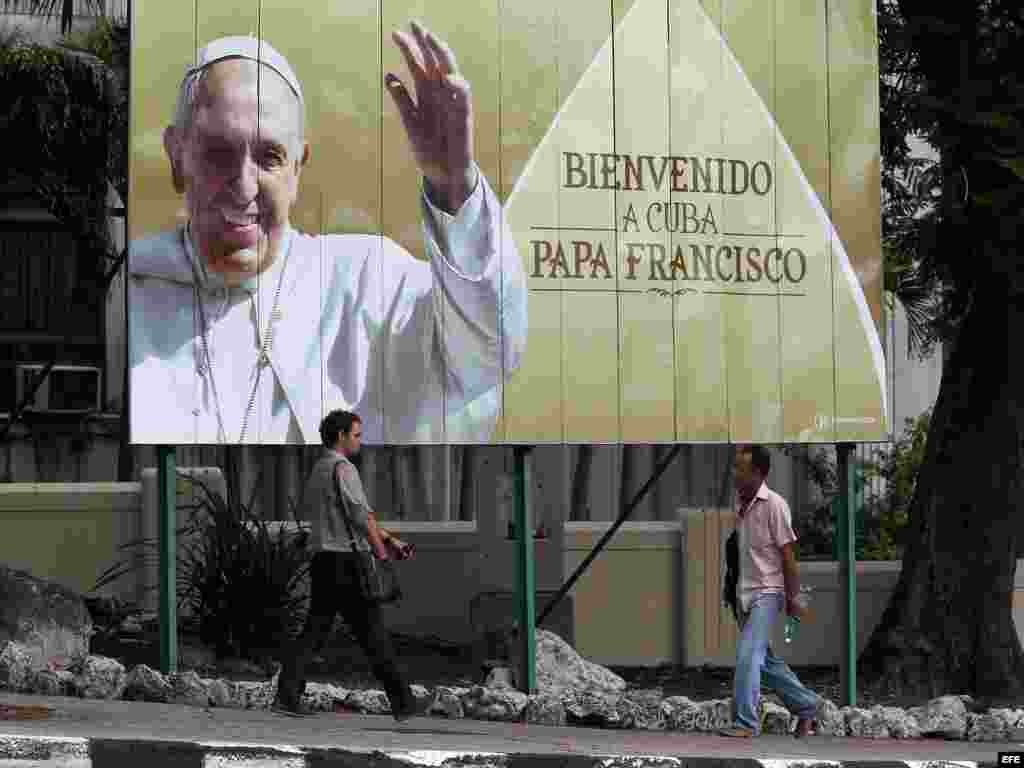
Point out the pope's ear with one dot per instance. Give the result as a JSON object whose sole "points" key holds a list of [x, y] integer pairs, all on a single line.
{"points": [[172, 146], [301, 160]]}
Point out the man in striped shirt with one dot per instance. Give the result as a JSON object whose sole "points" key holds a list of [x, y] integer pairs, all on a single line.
{"points": [[769, 582]]}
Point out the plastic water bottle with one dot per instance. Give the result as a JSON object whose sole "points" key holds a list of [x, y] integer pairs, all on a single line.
{"points": [[802, 600], [792, 622]]}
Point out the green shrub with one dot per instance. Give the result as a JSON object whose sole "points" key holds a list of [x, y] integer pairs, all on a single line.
{"points": [[815, 532], [55, 110], [239, 579], [883, 514], [98, 41], [886, 512]]}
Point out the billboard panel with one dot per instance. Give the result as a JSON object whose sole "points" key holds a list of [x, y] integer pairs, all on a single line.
{"points": [[638, 221]]}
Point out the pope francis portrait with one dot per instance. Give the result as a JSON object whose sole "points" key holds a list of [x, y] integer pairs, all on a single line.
{"points": [[244, 330]]}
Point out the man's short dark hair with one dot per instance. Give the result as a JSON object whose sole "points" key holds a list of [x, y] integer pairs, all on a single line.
{"points": [[760, 458], [336, 423]]}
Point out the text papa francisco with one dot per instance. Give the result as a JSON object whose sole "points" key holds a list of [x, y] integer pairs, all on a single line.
{"points": [[718, 261]]}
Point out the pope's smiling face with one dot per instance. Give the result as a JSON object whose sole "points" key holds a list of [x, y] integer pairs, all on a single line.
{"points": [[238, 164]]}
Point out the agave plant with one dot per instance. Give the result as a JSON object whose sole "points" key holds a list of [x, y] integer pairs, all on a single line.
{"points": [[241, 580], [238, 577]]}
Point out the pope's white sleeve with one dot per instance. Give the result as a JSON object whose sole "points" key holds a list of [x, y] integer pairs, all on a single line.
{"points": [[479, 291]]}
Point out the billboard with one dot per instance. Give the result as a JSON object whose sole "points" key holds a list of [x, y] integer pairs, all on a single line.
{"points": [[630, 221]]}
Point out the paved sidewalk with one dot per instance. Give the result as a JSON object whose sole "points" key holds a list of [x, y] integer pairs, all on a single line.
{"points": [[117, 734]]}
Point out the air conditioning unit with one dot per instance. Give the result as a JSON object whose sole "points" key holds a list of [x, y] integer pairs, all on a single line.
{"points": [[66, 389]]}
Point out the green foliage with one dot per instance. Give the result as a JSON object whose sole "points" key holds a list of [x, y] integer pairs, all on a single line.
{"points": [[951, 76], [882, 514], [815, 532], [241, 581], [239, 578], [886, 512], [819, 464], [97, 41], [910, 205], [815, 529], [55, 110], [57, 100]]}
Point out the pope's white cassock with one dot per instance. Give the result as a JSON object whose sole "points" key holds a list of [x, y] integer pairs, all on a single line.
{"points": [[418, 349]]}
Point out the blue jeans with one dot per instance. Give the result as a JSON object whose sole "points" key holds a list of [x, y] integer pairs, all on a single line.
{"points": [[754, 657]]}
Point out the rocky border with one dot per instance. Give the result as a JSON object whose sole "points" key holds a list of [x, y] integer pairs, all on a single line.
{"points": [[98, 677]]}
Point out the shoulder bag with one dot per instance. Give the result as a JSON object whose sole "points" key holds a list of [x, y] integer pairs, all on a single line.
{"points": [[378, 579], [732, 572]]}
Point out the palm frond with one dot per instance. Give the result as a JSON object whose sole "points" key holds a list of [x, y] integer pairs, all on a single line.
{"points": [[918, 294], [240, 579], [52, 8]]}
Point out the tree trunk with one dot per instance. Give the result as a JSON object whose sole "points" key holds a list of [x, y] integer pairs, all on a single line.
{"points": [[949, 625], [579, 504]]}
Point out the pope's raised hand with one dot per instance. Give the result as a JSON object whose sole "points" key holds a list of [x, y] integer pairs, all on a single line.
{"points": [[439, 120]]}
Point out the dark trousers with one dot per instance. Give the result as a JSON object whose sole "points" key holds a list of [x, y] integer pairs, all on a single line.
{"points": [[335, 589]]}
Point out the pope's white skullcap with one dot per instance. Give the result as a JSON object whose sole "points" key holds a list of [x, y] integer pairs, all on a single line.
{"points": [[252, 48]]}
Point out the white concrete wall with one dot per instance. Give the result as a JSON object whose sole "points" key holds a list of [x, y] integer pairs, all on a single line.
{"points": [[819, 641]]}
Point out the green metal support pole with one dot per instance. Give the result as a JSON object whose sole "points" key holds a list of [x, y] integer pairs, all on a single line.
{"points": [[525, 587], [847, 574], [167, 486]]}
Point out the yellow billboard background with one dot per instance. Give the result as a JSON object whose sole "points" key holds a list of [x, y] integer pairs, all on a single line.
{"points": [[623, 354]]}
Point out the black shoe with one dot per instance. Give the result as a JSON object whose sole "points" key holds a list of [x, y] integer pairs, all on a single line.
{"points": [[411, 709]]}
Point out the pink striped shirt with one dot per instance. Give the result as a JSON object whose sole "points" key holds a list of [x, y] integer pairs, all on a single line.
{"points": [[765, 526]]}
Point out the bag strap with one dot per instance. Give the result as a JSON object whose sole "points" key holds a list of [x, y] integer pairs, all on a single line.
{"points": [[344, 504], [366, 566]]}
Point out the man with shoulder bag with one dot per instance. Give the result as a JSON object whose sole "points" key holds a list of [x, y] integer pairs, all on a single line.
{"points": [[762, 583], [352, 570]]}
